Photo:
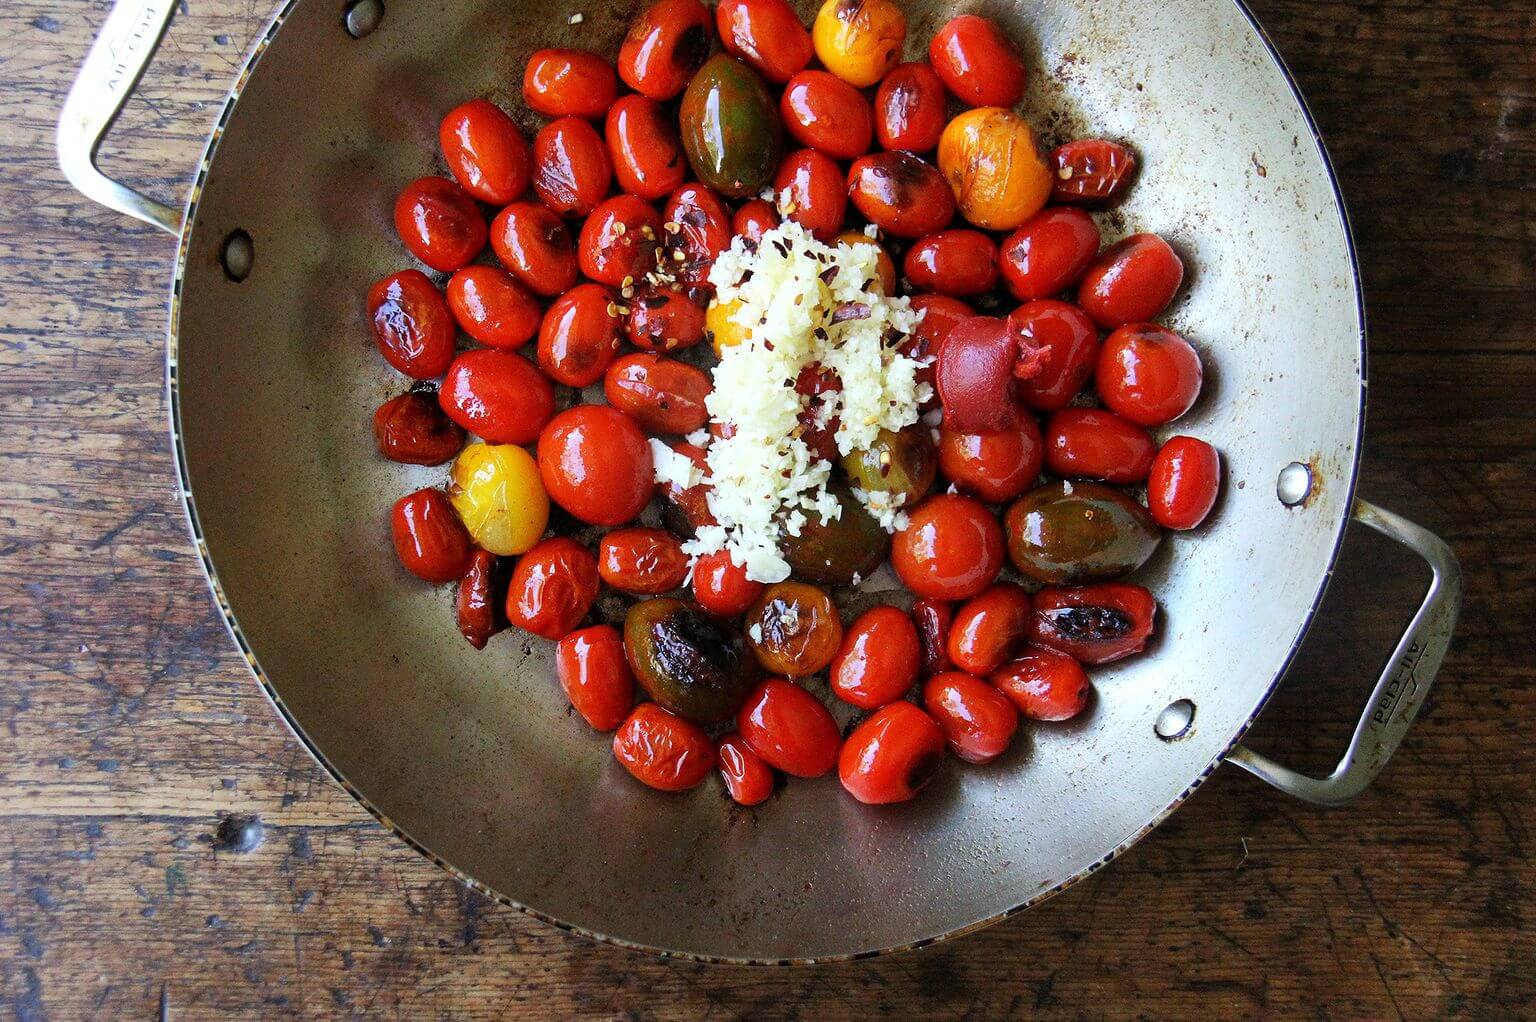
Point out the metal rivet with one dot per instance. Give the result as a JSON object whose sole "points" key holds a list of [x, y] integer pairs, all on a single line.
{"points": [[1175, 720], [363, 16], [238, 255], [1295, 484]]}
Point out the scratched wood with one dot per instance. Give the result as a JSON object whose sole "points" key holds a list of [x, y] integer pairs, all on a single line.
{"points": [[167, 839]]}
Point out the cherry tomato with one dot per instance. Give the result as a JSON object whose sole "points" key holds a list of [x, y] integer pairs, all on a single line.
{"points": [[994, 164], [413, 430], [703, 231], [596, 464], [591, 668], [940, 314], [663, 750], [910, 108], [1089, 443], [486, 152], [664, 47], [553, 587], [721, 586], [978, 720], [642, 560], [1068, 346], [879, 659], [439, 223], [1094, 624], [646, 152], [1092, 172], [1181, 489], [412, 326], [429, 537], [994, 467], [1133, 280], [498, 495], [951, 549], [492, 307], [933, 618], [794, 629], [475, 606], [789, 728], [663, 395], [663, 319], [900, 193], [1048, 253], [748, 780], [1148, 373], [892, 755], [571, 172], [767, 34], [579, 337], [754, 219], [957, 262], [497, 395], [688, 509], [815, 187], [618, 242], [827, 114], [988, 628], [859, 40], [1044, 684], [569, 83], [977, 62], [535, 247]]}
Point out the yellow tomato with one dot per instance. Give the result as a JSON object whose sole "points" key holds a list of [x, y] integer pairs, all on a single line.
{"points": [[995, 167], [859, 40], [886, 267], [499, 497], [724, 332]]}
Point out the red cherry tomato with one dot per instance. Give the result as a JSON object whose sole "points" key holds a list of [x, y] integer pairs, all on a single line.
{"points": [[492, 307], [748, 780], [754, 219], [789, 728], [553, 586], [891, 756], [911, 108], [1094, 624], [721, 586], [767, 34], [1092, 172], [662, 750], [1148, 373], [978, 720], [646, 152], [596, 464], [1133, 280], [571, 172], [619, 240], [994, 467], [688, 509], [413, 430], [988, 628], [497, 395], [879, 659], [825, 113], [569, 83], [951, 549], [579, 337], [439, 223], [475, 607], [642, 560], [664, 47], [1068, 346], [663, 395], [412, 326], [596, 678], [1044, 684], [815, 187], [901, 193], [663, 319], [431, 541], [485, 151], [1089, 443], [1181, 489], [956, 262], [933, 618], [702, 232], [1048, 253], [940, 314], [535, 246], [977, 62]]}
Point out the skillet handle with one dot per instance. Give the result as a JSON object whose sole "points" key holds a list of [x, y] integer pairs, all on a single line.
{"points": [[112, 69], [1403, 686]]}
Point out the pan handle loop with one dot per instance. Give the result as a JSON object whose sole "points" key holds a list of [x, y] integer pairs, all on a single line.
{"points": [[1404, 683], [112, 69]]}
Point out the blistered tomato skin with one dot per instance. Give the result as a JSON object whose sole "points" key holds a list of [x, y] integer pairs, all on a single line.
{"points": [[1184, 481], [722, 587], [664, 47], [1067, 344], [951, 549], [411, 429], [571, 172], [794, 629], [1090, 443], [879, 659], [662, 750], [474, 605], [910, 108], [684, 660], [591, 669], [767, 34], [569, 83], [978, 721], [553, 587], [663, 395], [933, 619], [977, 62], [1091, 172], [644, 147], [827, 114], [1094, 624], [988, 629], [412, 325], [1148, 373], [754, 219], [703, 231], [579, 337], [957, 262], [497, 395], [816, 196], [642, 560], [596, 464], [492, 307], [891, 756], [499, 498], [747, 778], [994, 467], [439, 223], [429, 538], [789, 728], [859, 40], [900, 193], [1048, 253], [618, 241], [1131, 281], [1044, 684], [663, 319], [535, 247], [993, 162], [486, 152]]}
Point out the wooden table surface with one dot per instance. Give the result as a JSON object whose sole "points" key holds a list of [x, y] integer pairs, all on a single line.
{"points": [[135, 735]]}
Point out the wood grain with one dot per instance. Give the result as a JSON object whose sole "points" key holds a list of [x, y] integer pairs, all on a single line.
{"points": [[165, 837]]}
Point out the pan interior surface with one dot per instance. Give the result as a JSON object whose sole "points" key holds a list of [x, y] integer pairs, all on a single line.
{"points": [[476, 756]]}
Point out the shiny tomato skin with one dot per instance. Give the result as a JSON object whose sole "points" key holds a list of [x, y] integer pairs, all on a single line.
{"points": [[879, 659], [579, 337], [911, 108], [439, 223], [951, 549], [767, 34], [1094, 624], [989, 628], [978, 721], [1091, 172], [892, 755], [643, 560], [958, 263], [492, 307], [618, 241], [662, 750], [789, 728], [815, 186], [553, 587], [1131, 281], [644, 147], [663, 319], [571, 172], [1044, 684], [994, 467], [486, 152], [1148, 373], [474, 605], [940, 314], [1048, 253], [411, 429], [534, 245], [753, 219], [663, 395], [901, 193], [747, 778], [596, 464], [794, 628], [497, 395], [703, 231], [721, 586], [412, 325], [429, 538], [689, 507], [592, 670], [933, 619], [1068, 347], [665, 46], [977, 62], [1183, 483], [569, 83], [1090, 443], [825, 113]]}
